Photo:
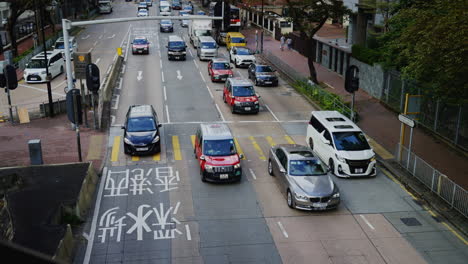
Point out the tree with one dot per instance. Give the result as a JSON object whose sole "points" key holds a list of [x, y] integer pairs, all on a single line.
{"points": [[427, 43], [309, 16], [17, 8]]}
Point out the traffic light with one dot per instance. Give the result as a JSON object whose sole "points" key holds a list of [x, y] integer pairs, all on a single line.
{"points": [[2, 80], [92, 77], [218, 11], [352, 79], [73, 96], [11, 80]]}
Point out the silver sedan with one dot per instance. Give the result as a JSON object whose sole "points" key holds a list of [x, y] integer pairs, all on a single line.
{"points": [[302, 178]]}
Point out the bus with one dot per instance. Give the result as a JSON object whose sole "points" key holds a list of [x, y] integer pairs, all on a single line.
{"points": [[235, 21]]}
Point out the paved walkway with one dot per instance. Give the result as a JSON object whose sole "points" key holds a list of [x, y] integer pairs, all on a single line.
{"points": [[376, 120]]}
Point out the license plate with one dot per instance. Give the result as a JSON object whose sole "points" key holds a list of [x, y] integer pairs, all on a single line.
{"points": [[223, 176], [140, 51], [268, 82], [142, 149], [33, 78], [247, 109], [360, 170], [319, 205], [177, 57], [223, 79]]}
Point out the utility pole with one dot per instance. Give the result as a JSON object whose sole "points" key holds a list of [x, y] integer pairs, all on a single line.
{"points": [[261, 33]]}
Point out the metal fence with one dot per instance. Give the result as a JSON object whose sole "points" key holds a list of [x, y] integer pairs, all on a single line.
{"points": [[21, 64], [327, 101], [438, 183]]}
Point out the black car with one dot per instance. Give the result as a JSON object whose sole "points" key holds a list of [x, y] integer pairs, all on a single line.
{"points": [[262, 74], [166, 25], [141, 131]]}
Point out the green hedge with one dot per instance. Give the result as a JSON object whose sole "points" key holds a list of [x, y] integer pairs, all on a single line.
{"points": [[361, 53]]}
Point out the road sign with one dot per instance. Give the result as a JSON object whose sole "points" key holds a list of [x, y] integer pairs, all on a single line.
{"points": [[406, 120], [80, 60]]}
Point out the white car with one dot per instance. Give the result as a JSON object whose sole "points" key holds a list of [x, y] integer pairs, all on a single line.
{"points": [[241, 56], [142, 13]]}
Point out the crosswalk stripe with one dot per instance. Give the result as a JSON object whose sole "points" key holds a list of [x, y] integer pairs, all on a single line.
{"points": [[176, 147], [115, 149], [192, 137], [270, 141], [239, 149], [157, 157], [257, 148], [135, 158], [289, 139]]}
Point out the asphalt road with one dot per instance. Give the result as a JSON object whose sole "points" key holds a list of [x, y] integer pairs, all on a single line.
{"points": [[155, 209]]}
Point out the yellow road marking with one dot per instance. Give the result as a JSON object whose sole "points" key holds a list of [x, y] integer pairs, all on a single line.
{"points": [[239, 149], [270, 141], [397, 182], [115, 149], [257, 148], [192, 137], [135, 158], [289, 140], [381, 151], [455, 233], [176, 147], [157, 157]]}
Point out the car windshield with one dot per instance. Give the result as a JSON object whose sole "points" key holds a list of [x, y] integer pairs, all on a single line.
{"points": [[264, 69], [61, 45], [166, 22], [208, 45], [221, 66], [183, 13], [202, 32], [306, 168], [222, 147], [36, 64], [351, 141], [187, 7], [177, 44], [237, 40], [141, 124], [244, 52], [143, 11], [140, 41], [243, 91], [164, 8]]}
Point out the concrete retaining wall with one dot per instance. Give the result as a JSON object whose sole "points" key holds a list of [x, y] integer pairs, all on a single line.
{"points": [[105, 94], [371, 78], [85, 197]]}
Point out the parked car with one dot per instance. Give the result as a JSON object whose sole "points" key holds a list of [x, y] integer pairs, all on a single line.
{"points": [[302, 178], [340, 143], [141, 130], [140, 45], [35, 71], [216, 153], [241, 56], [166, 26], [262, 74], [219, 70], [240, 95]]}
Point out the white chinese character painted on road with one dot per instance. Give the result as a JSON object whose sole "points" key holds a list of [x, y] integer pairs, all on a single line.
{"points": [[139, 183], [166, 177], [168, 228], [140, 221], [108, 225], [122, 187]]}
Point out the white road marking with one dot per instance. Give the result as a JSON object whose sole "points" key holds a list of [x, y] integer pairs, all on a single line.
{"points": [[283, 230], [367, 222], [123, 39], [89, 247], [91, 49], [272, 113], [40, 90], [209, 91], [162, 76], [164, 90], [111, 37], [108, 69], [187, 231], [160, 63], [167, 114], [190, 51], [123, 68], [86, 236], [203, 78], [86, 37], [140, 75], [60, 84], [176, 207], [128, 46], [196, 64], [120, 83], [241, 75], [95, 43], [159, 52], [253, 174], [116, 105], [219, 111], [179, 75], [113, 120], [98, 60], [100, 37]]}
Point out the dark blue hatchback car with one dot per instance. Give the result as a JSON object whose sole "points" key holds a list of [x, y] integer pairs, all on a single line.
{"points": [[141, 131]]}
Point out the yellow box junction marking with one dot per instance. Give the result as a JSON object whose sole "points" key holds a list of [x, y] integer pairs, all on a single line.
{"points": [[115, 149], [289, 140], [176, 147], [270, 141], [157, 157], [239, 149], [135, 158], [257, 148]]}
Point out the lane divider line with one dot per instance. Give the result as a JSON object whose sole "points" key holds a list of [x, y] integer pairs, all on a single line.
{"points": [[162, 76], [219, 111], [196, 64], [211, 95], [192, 138], [167, 114], [164, 91], [115, 149], [253, 174], [289, 139], [176, 148], [203, 78], [276, 118], [257, 148], [285, 234]]}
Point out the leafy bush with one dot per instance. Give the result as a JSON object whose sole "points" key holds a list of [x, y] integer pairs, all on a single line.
{"points": [[361, 53]]}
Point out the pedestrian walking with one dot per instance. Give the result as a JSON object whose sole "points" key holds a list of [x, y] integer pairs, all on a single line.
{"points": [[289, 42], [282, 40]]}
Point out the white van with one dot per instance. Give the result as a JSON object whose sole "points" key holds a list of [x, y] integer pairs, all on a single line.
{"points": [[165, 8], [60, 46], [35, 71], [207, 48], [340, 144]]}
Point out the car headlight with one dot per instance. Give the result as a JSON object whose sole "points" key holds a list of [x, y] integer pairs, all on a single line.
{"points": [[301, 197], [256, 102], [230, 75], [338, 157], [237, 103], [237, 166], [373, 158], [156, 139], [336, 195], [126, 140], [208, 168]]}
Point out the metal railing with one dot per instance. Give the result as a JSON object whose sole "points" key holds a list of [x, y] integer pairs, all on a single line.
{"points": [[438, 183]]}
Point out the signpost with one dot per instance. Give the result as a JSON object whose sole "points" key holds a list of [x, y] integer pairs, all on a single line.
{"points": [[80, 60], [352, 84], [406, 120]]}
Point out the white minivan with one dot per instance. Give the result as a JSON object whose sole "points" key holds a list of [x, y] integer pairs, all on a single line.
{"points": [[165, 8], [207, 48], [341, 144], [35, 71], [60, 46]]}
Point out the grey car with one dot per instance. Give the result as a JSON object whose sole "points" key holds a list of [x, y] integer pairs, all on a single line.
{"points": [[302, 178]]}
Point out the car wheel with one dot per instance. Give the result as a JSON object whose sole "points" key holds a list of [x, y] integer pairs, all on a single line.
{"points": [[290, 199], [270, 168], [331, 164], [235, 64], [126, 151], [311, 143], [157, 149]]}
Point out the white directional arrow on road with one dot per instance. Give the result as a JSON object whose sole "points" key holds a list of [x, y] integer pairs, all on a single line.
{"points": [[111, 37], [179, 76], [86, 37], [140, 75]]}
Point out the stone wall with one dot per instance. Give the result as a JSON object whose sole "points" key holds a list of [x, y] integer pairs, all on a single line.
{"points": [[371, 78]]}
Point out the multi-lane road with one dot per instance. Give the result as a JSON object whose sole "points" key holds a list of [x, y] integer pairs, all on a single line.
{"points": [[155, 209]]}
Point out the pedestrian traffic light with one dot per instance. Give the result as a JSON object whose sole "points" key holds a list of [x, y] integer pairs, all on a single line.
{"points": [[11, 80], [2, 80], [92, 77], [352, 79], [74, 97]]}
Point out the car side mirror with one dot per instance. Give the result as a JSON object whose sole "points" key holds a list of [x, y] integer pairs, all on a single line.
{"points": [[122, 127], [326, 141], [159, 125], [167, 46], [258, 96], [241, 156], [282, 170], [202, 157]]}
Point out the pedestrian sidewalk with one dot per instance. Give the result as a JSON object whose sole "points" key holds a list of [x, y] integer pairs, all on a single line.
{"points": [[58, 140], [378, 122]]}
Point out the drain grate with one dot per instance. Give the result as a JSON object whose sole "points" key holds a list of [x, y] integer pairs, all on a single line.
{"points": [[410, 221]]}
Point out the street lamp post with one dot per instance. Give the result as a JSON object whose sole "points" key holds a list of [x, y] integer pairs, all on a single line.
{"points": [[261, 34]]}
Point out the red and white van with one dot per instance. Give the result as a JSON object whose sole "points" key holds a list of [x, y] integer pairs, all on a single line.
{"points": [[216, 153], [240, 95]]}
